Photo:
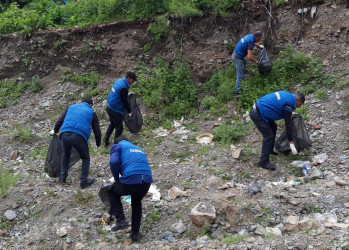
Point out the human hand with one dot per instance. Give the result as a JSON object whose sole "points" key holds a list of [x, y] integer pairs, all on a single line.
{"points": [[294, 113], [261, 46], [52, 132], [293, 149]]}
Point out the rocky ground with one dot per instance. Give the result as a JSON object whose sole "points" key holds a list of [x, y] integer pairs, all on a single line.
{"points": [[205, 203]]}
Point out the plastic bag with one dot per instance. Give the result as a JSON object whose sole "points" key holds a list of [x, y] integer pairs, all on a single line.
{"points": [[103, 193], [264, 62], [54, 156], [134, 121], [300, 135]]}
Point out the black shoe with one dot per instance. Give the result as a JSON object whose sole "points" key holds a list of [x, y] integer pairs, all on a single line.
{"points": [[136, 237], [106, 144], [87, 183], [267, 166], [62, 180], [274, 153], [120, 225]]}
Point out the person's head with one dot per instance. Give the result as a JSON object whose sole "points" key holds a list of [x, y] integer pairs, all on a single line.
{"points": [[131, 77], [300, 99], [119, 139], [88, 100], [258, 35]]}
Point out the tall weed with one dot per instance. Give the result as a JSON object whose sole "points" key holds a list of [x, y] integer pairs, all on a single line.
{"points": [[7, 180]]}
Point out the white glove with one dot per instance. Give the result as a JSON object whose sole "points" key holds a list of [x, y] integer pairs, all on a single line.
{"points": [[130, 114], [293, 149], [52, 132], [261, 46]]}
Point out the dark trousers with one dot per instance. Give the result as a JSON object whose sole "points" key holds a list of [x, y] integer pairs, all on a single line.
{"points": [[115, 122], [268, 131], [137, 192], [70, 140]]}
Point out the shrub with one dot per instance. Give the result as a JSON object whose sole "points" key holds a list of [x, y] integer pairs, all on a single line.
{"points": [[7, 180], [10, 91], [183, 8], [159, 29], [35, 84], [85, 79], [167, 89], [227, 134]]}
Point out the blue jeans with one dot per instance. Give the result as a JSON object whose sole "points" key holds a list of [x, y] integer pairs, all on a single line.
{"points": [[268, 131], [240, 65], [70, 140]]}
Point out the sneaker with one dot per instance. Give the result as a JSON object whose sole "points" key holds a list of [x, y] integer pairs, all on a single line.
{"points": [[87, 183], [120, 225], [62, 180], [274, 153], [267, 166], [136, 237]]}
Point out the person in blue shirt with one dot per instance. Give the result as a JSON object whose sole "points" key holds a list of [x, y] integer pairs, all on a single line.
{"points": [[116, 105], [75, 125], [264, 113], [244, 48], [132, 175]]}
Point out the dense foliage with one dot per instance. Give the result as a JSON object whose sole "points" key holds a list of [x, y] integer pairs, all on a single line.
{"points": [[28, 16], [167, 88]]}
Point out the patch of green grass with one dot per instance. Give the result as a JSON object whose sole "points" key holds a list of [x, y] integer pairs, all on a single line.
{"points": [[50, 192], [204, 232], [315, 209], [227, 134], [320, 94], [90, 79], [38, 153], [264, 216], [216, 171], [154, 215], [21, 133], [232, 240], [7, 180], [4, 223], [186, 185], [58, 46], [83, 199], [102, 233]]}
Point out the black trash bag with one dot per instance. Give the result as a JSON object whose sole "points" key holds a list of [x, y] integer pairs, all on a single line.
{"points": [[300, 135], [103, 193], [264, 62], [54, 156], [134, 121]]}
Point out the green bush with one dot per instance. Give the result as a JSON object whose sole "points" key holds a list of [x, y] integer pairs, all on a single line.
{"points": [[159, 29], [227, 133], [7, 180], [167, 89], [183, 8], [35, 84]]}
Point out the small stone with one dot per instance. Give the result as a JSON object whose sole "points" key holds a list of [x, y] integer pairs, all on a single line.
{"points": [[79, 246], [224, 186], [106, 217], [178, 227], [10, 214], [14, 155], [61, 232], [316, 126], [340, 182], [127, 242]]}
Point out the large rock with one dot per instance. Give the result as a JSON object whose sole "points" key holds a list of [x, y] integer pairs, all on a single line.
{"points": [[178, 227], [10, 214], [202, 215], [309, 223], [175, 192], [273, 231], [291, 223]]}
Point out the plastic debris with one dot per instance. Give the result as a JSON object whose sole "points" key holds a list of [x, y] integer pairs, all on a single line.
{"points": [[155, 191], [128, 199], [254, 189], [204, 138]]}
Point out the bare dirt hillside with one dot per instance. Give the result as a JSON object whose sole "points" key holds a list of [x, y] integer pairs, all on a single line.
{"points": [[39, 213]]}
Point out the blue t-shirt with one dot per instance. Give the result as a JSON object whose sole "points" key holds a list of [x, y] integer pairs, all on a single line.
{"points": [[246, 43]]}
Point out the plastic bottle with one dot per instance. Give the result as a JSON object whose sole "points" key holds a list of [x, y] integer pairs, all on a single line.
{"points": [[305, 170]]}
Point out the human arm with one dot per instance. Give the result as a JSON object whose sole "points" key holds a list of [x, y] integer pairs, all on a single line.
{"points": [[251, 57], [59, 122], [124, 95], [259, 45], [115, 161], [96, 129]]}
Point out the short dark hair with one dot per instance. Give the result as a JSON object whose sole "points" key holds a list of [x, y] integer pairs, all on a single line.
{"points": [[88, 100], [120, 138], [300, 97], [132, 75], [258, 33]]}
